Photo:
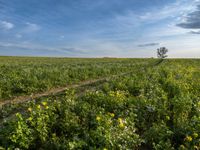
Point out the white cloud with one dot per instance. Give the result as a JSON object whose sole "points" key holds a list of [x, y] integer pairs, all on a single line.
{"points": [[157, 21], [175, 10], [28, 46], [18, 36], [62, 37], [31, 27], [5, 25]]}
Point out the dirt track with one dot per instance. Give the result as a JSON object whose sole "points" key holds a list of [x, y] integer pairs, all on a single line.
{"points": [[54, 91]]}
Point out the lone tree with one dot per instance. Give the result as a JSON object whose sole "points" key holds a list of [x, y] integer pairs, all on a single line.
{"points": [[162, 52]]}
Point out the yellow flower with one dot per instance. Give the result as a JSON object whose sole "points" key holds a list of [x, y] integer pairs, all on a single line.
{"points": [[98, 118], [47, 107], [18, 114], [188, 138], [112, 114], [105, 149], [195, 135], [121, 125], [118, 94], [167, 117], [111, 94], [30, 118], [120, 120], [38, 106], [29, 109], [44, 103]]}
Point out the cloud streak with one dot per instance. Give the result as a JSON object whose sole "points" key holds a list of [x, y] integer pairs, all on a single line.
{"points": [[192, 20], [194, 32], [148, 44], [31, 27], [5, 25], [97, 28], [63, 51]]}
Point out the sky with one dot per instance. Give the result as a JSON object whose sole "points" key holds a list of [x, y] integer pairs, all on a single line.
{"points": [[99, 28]]}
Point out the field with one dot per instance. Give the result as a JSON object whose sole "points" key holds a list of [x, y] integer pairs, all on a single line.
{"points": [[21, 75], [106, 103]]}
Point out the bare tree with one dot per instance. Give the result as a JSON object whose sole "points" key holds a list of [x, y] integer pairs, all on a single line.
{"points": [[162, 52]]}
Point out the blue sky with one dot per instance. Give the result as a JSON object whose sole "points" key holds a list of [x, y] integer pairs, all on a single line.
{"points": [[98, 28]]}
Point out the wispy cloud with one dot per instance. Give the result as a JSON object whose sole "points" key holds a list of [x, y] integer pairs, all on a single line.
{"points": [[128, 25], [192, 20], [31, 27], [30, 47], [5, 25], [61, 37], [71, 50], [99, 28], [18, 36], [194, 32], [148, 44]]}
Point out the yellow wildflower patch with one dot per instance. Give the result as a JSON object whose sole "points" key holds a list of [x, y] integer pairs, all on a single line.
{"points": [[38, 106], [112, 114], [188, 138], [121, 125], [44, 103], [167, 118], [120, 120], [30, 119], [98, 118], [29, 109], [195, 135]]}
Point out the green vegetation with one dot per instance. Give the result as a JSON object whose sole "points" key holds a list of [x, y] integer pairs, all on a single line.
{"points": [[22, 75], [153, 107]]}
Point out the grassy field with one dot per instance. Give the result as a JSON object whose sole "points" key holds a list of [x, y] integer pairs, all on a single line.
{"points": [[150, 104], [23, 75]]}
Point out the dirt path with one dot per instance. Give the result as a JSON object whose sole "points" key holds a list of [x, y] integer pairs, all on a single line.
{"points": [[54, 91]]}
